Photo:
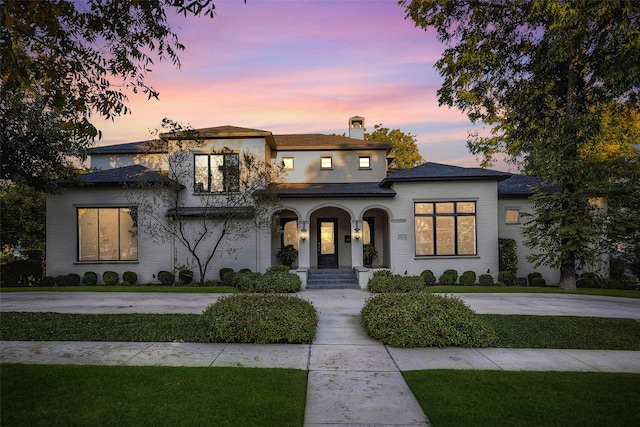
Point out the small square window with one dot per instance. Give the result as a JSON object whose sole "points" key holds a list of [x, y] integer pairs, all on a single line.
{"points": [[512, 216], [287, 163], [326, 163], [364, 162]]}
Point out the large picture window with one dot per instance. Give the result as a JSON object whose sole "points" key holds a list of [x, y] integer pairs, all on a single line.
{"points": [[216, 173], [108, 234], [445, 228]]}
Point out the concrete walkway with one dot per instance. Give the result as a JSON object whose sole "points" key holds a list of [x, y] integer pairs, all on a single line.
{"points": [[353, 380]]}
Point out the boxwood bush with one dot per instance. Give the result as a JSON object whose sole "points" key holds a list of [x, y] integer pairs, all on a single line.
{"points": [[263, 319], [90, 278], [428, 277], [167, 278], [129, 277], [468, 278], [275, 280], [507, 278], [532, 276], [424, 320], [486, 280], [395, 283], [110, 278], [522, 281], [448, 278], [226, 276]]}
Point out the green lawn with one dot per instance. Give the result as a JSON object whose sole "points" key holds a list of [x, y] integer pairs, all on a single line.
{"points": [[499, 398], [41, 395], [163, 289], [530, 290]]}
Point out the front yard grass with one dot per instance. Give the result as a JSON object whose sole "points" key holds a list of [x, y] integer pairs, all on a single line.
{"points": [[59, 395], [513, 331], [454, 289], [128, 288], [499, 398]]}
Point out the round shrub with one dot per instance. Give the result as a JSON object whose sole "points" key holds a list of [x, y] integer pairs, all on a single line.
{"points": [[532, 276], [395, 283], [468, 278], [167, 278], [246, 281], [74, 279], [185, 276], [447, 279], [263, 319], [110, 278], [129, 277], [486, 280], [226, 275], [428, 277], [522, 281], [540, 282], [507, 278], [64, 280], [48, 282], [424, 320], [452, 273], [90, 278]]}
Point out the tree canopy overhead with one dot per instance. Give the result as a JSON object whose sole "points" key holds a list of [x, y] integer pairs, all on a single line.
{"points": [[63, 61], [403, 146], [547, 77]]}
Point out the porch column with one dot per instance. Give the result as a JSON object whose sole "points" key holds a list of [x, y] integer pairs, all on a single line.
{"points": [[304, 234], [356, 243]]}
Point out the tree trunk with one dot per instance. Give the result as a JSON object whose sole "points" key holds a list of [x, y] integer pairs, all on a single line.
{"points": [[568, 277]]}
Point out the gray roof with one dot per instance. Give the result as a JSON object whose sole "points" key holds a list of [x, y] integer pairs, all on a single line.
{"points": [[128, 175], [317, 141], [521, 186], [439, 172], [154, 146], [332, 190]]}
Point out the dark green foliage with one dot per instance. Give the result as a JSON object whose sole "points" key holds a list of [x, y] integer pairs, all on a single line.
{"points": [[395, 283], [522, 281], [66, 280], [185, 276], [275, 280], [74, 279], [532, 276], [382, 272], [226, 276], [539, 281], [110, 278], [506, 278], [90, 278], [263, 319], [278, 269], [167, 278], [486, 280], [287, 255], [129, 277], [508, 255], [20, 272], [428, 277], [468, 278], [449, 277], [47, 282], [424, 320]]}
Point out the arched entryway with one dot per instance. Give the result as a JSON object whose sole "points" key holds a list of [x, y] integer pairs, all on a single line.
{"points": [[375, 238], [285, 233], [330, 238]]}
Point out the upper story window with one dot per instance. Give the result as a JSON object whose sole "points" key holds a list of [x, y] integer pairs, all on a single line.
{"points": [[216, 173], [445, 228], [287, 163], [364, 162], [512, 216], [326, 162], [108, 234]]}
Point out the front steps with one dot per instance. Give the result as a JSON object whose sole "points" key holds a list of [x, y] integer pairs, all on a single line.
{"points": [[332, 279]]}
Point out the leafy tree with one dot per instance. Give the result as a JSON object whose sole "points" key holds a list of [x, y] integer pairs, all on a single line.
{"points": [[404, 146], [23, 217], [62, 61], [222, 219], [543, 75]]}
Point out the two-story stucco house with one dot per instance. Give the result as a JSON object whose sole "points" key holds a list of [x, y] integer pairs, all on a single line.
{"points": [[337, 197]]}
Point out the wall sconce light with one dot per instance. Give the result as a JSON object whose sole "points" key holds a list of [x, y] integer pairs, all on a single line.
{"points": [[303, 233], [356, 233]]}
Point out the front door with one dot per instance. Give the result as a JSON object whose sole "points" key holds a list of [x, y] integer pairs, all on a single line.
{"points": [[327, 243]]}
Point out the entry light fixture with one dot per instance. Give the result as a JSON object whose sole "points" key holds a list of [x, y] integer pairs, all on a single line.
{"points": [[356, 233], [303, 233]]}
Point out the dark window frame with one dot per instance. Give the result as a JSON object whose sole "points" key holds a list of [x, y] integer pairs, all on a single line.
{"points": [[455, 215], [230, 173], [134, 215]]}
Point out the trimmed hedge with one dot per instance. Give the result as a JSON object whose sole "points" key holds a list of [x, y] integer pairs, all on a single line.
{"points": [[507, 278], [448, 278], [532, 276], [468, 278], [275, 280], [167, 278], [428, 277], [129, 277], [110, 278], [90, 278], [486, 280], [424, 320], [395, 283], [262, 319]]}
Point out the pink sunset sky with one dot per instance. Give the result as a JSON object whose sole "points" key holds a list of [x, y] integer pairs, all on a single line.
{"points": [[303, 67]]}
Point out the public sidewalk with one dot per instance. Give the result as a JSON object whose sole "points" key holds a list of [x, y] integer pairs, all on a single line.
{"points": [[353, 380]]}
